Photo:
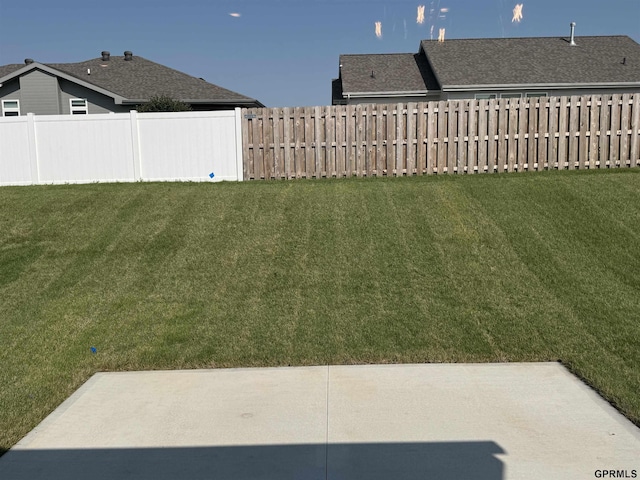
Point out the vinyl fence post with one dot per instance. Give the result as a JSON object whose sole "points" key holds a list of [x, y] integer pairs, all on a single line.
{"points": [[135, 146], [32, 141], [239, 156]]}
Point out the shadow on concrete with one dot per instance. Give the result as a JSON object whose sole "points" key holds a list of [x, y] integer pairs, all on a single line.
{"points": [[371, 461]]}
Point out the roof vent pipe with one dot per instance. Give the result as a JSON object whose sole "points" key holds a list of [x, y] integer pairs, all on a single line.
{"points": [[105, 56], [573, 27], [28, 61], [128, 56]]}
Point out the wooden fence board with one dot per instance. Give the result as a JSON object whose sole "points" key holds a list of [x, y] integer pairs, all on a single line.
{"points": [[543, 139], [563, 128], [583, 130], [399, 151], [258, 159], [441, 137], [614, 128], [605, 112], [463, 138], [624, 130], [574, 125], [523, 121], [381, 147], [472, 143], [358, 129], [533, 105], [483, 109], [452, 131], [594, 120], [635, 131], [501, 159], [514, 105], [421, 139], [411, 138], [491, 134], [432, 131], [552, 145], [368, 135]]}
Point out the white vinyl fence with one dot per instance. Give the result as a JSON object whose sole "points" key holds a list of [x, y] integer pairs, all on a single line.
{"points": [[121, 147]]}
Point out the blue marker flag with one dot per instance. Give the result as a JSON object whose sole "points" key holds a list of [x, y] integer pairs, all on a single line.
{"points": [[94, 349], [211, 175]]}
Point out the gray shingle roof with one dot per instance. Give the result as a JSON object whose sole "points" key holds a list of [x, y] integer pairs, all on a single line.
{"points": [[139, 79], [534, 61], [394, 72], [8, 69]]}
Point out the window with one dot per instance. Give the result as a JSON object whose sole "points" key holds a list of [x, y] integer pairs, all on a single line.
{"points": [[10, 108], [485, 96], [78, 106], [511, 95], [536, 94]]}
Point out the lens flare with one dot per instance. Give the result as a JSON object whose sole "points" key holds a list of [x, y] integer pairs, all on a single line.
{"points": [[441, 35], [379, 29], [517, 13], [420, 18]]}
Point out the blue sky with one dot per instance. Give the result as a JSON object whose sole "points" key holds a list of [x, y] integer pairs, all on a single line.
{"points": [[282, 52]]}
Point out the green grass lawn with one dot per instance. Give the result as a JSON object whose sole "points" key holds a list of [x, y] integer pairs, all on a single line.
{"points": [[488, 268]]}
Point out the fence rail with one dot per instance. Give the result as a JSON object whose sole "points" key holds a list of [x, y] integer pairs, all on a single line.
{"points": [[460, 136]]}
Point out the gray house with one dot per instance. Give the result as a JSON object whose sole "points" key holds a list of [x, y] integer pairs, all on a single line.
{"points": [[105, 84], [492, 68]]}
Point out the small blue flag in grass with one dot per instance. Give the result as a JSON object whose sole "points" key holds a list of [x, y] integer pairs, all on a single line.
{"points": [[94, 350]]}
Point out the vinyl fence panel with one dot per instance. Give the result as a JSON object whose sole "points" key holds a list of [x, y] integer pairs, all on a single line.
{"points": [[125, 147], [84, 149], [187, 146], [15, 152]]}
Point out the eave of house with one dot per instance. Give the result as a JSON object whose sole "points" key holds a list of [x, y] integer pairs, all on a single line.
{"points": [[39, 66]]}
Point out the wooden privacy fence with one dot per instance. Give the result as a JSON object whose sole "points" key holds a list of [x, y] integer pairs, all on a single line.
{"points": [[458, 136]]}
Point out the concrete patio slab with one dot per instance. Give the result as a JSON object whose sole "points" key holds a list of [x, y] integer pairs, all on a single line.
{"points": [[482, 421]]}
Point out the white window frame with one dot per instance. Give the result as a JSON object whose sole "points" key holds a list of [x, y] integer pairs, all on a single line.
{"points": [[78, 110], [9, 111]]}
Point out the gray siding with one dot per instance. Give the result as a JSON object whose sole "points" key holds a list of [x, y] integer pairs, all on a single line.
{"points": [[407, 99], [97, 102], [10, 90], [40, 93], [471, 95], [549, 92]]}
